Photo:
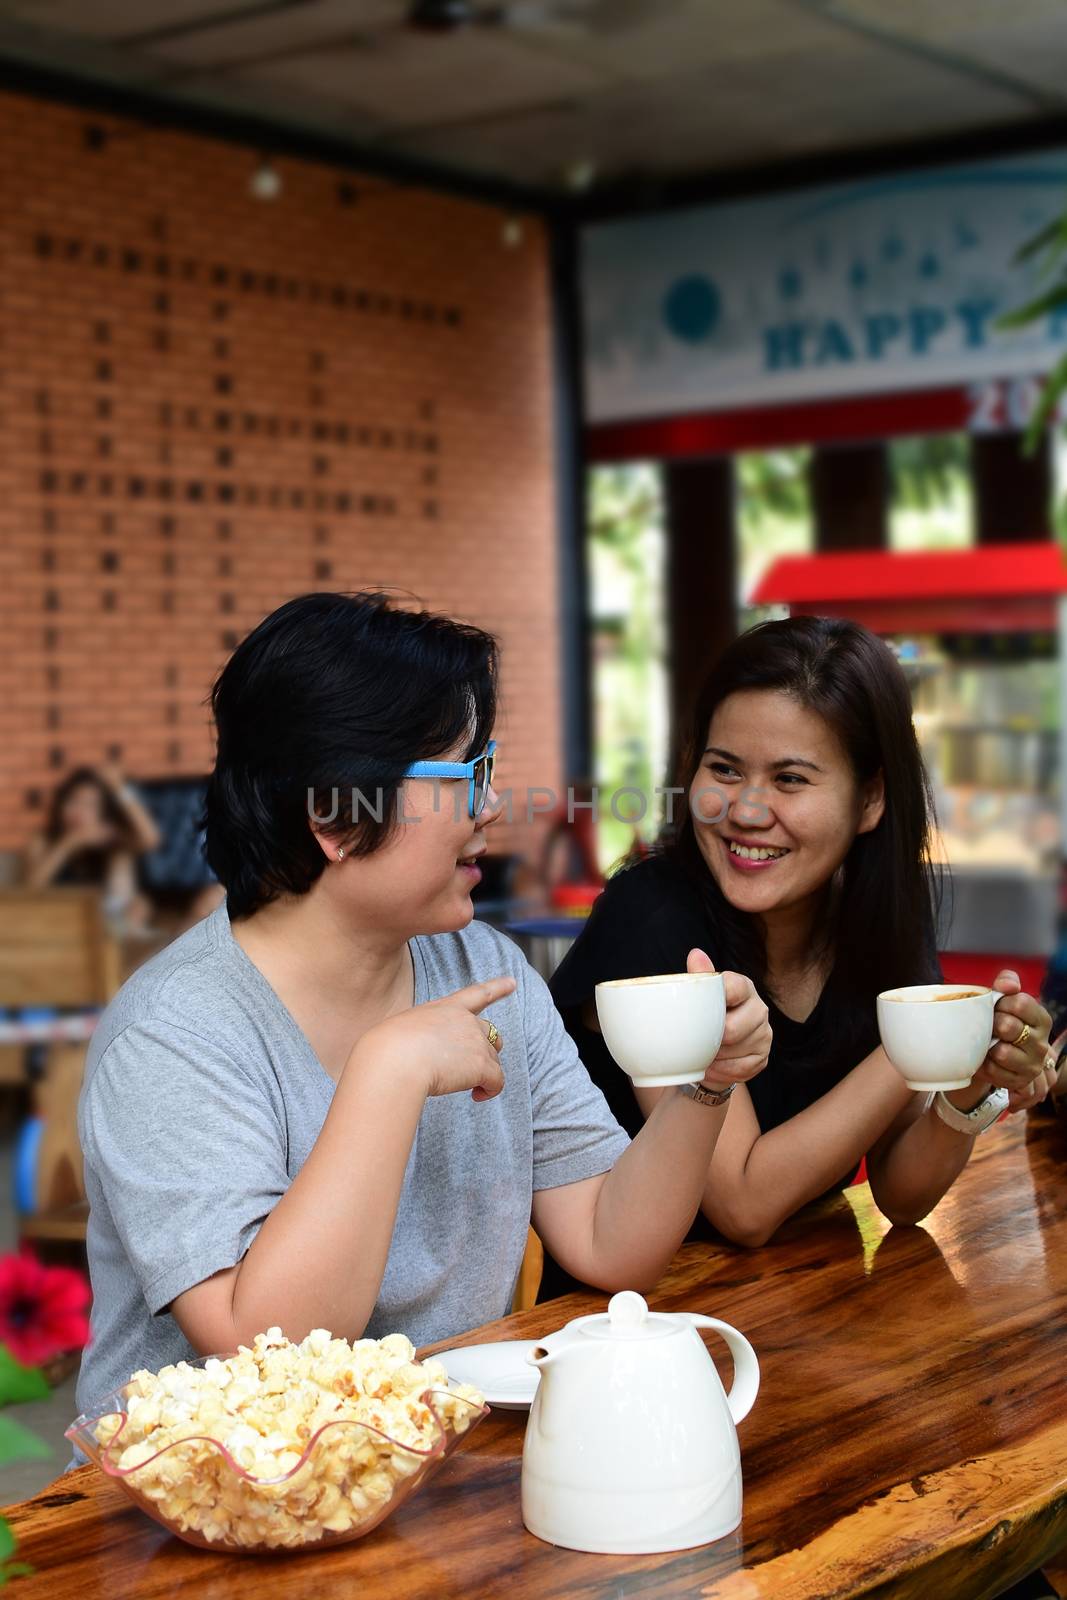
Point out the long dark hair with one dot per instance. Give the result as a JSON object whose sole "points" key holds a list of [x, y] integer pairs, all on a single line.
{"points": [[81, 777], [877, 918], [331, 694], [91, 865]]}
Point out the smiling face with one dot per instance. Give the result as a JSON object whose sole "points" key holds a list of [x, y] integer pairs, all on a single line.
{"points": [[420, 880], [82, 808], [775, 802]]}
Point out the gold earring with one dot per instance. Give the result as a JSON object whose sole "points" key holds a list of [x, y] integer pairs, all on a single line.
{"points": [[340, 855]]}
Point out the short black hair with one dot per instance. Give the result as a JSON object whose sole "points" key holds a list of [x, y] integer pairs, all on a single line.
{"points": [[333, 693]]}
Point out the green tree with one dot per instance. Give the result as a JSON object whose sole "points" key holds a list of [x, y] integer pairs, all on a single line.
{"points": [[774, 516], [1047, 250], [625, 510]]}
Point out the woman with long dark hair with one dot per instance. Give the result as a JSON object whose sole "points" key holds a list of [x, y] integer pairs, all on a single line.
{"points": [[95, 830], [298, 1113], [799, 858]]}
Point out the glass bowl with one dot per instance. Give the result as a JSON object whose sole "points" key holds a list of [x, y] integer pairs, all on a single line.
{"points": [[347, 1480]]}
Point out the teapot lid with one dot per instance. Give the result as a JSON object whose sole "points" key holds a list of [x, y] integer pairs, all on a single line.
{"points": [[628, 1317]]}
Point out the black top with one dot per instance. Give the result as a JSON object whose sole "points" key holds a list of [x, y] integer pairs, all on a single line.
{"points": [[645, 923], [88, 867]]}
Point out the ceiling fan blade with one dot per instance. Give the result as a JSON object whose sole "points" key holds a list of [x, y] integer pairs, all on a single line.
{"points": [[573, 16]]}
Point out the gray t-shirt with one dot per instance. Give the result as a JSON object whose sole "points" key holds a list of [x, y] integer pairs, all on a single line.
{"points": [[202, 1100]]}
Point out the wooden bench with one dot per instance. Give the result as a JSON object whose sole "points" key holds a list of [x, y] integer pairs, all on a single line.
{"points": [[56, 951]]}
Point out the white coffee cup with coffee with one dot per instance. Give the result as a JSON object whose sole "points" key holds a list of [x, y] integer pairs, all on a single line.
{"points": [[663, 1030], [937, 1034]]}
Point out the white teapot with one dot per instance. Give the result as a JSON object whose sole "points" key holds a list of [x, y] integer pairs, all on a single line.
{"points": [[631, 1446]]}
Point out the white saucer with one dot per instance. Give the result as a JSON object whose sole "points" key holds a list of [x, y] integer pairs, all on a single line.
{"points": [[499, 1370]]}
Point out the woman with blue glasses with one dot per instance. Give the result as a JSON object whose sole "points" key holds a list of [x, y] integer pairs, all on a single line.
{"points": [[338, 1100]]}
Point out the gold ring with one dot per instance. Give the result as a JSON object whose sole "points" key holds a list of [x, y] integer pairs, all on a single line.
{"points": [[494, 1035], [1021, 1040], [1050, 1062]]}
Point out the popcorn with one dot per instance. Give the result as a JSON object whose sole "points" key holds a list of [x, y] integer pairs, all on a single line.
{"points": [[263, 1406]]}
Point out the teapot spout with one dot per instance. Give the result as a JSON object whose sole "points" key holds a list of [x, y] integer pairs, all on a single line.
{"points": [[544, 1352], [561, 1360], [541, 1356]]}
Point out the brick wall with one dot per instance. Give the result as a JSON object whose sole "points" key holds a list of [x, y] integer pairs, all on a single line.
{"points": [[209, 403]]}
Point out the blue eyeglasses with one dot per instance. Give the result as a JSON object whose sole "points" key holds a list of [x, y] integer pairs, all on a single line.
{"points": [[478, 773]]}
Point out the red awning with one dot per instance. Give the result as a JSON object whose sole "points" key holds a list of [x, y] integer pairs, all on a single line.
{"points": [[995, 588]]}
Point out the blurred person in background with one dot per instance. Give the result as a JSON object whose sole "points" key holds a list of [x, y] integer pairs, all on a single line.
{"points": [[1054, 992], [95, 832], [568, 856]]}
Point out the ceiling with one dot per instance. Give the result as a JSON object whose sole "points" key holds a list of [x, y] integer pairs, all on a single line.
{"points": [[571, 96]]}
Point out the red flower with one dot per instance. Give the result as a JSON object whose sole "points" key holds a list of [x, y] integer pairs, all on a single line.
{"points": [[43, 1310]]}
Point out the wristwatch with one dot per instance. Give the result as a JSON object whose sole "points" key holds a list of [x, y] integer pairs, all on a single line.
{"points": [[708, 1097], [979, 1118]]}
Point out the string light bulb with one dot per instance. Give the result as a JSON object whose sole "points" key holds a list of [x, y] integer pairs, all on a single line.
{"points": [[580, 175], [265, 183]]}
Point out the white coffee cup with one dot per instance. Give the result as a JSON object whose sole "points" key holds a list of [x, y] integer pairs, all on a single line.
{"points": [[937, 1034], [663, 1030]]}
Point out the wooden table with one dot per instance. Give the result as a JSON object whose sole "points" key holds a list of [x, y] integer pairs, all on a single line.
{"points": [[909, 1440]]}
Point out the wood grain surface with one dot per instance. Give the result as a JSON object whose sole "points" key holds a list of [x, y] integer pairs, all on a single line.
{"points": [[909, 1440]]}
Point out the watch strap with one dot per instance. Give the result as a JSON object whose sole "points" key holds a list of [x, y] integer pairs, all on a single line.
{"points": [[978, 1118], [708, 1097]]}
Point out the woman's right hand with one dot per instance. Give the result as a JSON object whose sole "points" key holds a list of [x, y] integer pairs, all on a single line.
{"points": [[445, 1042], [747, 1035]]}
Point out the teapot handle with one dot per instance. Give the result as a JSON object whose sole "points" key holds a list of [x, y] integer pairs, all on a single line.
{"points": [[745, 1387]]}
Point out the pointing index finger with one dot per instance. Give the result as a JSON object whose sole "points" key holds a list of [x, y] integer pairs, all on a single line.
{"points": [[476, 996]]}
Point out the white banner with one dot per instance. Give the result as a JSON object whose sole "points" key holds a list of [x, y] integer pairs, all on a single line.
{"points": [[892, 283]]}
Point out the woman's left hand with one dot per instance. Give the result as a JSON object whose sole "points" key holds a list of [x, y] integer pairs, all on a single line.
{"points": [[1019, 1060], [746, 1039], [110, 775]]}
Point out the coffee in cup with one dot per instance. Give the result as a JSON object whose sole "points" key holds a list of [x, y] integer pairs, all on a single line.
{"points": [[937, 1034], [663, 1030]]}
